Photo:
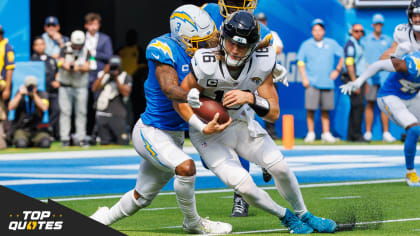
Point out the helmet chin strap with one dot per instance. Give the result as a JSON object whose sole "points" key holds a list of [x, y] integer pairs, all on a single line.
{"points": [[232, 62], [416, 28]]}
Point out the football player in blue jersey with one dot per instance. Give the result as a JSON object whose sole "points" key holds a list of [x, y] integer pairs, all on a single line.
{"points": [[399, 98], [158, 135], [218, 12]]}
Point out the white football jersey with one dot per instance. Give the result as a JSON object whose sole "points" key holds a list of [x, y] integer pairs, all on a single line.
{"points": [[404, 37], [213, 75]]}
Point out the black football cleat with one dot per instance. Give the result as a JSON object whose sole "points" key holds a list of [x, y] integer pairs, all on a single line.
{"points": [[240, 206]]}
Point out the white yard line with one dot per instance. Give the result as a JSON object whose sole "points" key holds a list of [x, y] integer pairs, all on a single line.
{"points": [[344, 197], [190, 150], [230, 190], [359, 223]]}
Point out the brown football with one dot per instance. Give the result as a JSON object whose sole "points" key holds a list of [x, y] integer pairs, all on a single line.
{"points": [[209, 108]]}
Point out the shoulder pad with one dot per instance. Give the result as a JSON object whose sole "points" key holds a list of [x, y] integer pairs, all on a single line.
{"points": [[265, 59], [401, 33], [204, 63], [160, 50]]}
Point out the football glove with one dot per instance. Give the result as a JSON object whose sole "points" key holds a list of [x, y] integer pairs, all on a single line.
{"points": [[193, 98], [351, 86], [280, 75]]}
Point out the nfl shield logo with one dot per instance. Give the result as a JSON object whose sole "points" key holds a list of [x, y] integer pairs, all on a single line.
{"points": [[204, 145]]}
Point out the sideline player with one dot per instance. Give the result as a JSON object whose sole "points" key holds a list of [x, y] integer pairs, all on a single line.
{"points": [[158, 135], [406, 36], [232, 73], [218, 12], [399, 99]]}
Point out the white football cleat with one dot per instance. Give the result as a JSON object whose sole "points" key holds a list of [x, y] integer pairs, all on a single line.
{"points": [[388, 138], [101, 215], [368, 136], [328, 138], [310, 137], [206, 226]]}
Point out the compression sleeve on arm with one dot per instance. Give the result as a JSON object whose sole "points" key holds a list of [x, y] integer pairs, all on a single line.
{"points": [[382, 65]]}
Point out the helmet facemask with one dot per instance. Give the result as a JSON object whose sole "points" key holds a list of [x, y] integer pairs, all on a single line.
{"points": [[227, 7], [240, 42], [192, 44]]}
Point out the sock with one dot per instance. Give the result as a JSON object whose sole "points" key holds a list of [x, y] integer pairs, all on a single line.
{"points": [[410, 146], [126, 206], [184, 189], [259, 198], [287, 186]]}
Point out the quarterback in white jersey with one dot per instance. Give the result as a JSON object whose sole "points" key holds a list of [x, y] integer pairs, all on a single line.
{"points": [[158, 135], [234, 73], [406, 36]]}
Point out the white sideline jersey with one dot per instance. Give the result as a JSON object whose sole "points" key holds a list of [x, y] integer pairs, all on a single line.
{"points": [[213, 75], [404, 37]]}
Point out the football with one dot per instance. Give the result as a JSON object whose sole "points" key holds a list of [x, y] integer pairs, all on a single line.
{"points": [[209, 108]]}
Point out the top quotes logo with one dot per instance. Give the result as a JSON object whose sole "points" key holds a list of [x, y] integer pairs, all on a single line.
{"points": [[35, 220]]}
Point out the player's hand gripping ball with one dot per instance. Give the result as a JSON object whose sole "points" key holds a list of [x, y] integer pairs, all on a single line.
{"points": [[208, 110]]}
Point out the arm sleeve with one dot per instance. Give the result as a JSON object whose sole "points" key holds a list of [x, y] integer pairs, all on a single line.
{"points": [[381, 65]]}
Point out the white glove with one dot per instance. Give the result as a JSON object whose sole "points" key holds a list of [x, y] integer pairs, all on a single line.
{"points": [[193, 98], [280, 75], [351, 87]]}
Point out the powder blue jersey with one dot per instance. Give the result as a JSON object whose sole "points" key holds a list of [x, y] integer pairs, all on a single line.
{"points": [[403, 85], [159, 111], [214, 11]]}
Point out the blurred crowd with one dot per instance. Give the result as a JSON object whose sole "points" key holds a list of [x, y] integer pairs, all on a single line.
{"points": [[92, 94]]}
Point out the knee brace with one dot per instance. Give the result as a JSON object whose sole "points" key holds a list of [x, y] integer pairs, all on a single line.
{"points": [[231, 173], [21, 143], [45, 143]]}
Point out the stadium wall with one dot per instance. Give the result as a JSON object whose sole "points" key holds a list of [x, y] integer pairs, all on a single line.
{"points": [[292, 20]]}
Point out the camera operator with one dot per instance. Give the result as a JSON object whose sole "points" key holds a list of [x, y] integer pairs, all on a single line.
{"points": [[28, 128], [114, 86], [73, 77]]}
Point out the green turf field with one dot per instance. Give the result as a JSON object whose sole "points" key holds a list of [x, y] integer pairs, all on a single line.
{"points": [[365, 203]]}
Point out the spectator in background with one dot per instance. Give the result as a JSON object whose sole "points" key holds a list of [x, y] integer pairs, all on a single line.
{"points": [[73, 76], [52, 85], [100, 49], [375, 44], [114, 87], [278, 46], [54, 40], [29, 128], [132, 55], [355, 66], [317, 65], [134, 62], [7, 65]]}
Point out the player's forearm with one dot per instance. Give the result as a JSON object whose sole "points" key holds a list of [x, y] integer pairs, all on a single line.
{"points": [[274, 113], [175, 93], [184, 110]]}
